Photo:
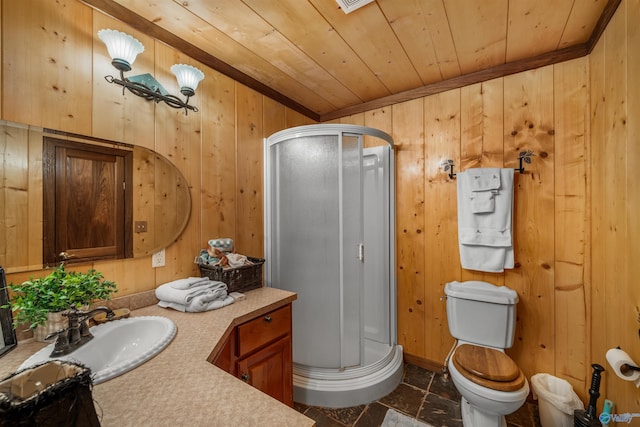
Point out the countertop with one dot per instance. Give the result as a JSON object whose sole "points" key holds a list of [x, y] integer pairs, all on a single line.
{"points": [[179, 386]]}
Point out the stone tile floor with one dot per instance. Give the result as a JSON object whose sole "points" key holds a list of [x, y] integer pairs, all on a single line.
{"points": [[422, 394]]}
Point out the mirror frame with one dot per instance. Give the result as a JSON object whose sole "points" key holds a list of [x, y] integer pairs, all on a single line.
{"points": [[10, 340]]}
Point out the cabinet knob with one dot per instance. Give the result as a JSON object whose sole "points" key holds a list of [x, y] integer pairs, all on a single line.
{"points": [[65, 256], [267, 318], [245, 377]]}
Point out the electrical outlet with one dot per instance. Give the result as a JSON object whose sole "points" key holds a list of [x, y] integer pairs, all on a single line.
{"points": [[157, 260]]}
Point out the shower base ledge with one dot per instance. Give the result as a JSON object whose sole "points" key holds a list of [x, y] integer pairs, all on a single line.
{"points": [[346, 388]]}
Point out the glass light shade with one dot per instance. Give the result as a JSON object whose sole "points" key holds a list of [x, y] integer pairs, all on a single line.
{"points": [[122, 48], [188, 78]]}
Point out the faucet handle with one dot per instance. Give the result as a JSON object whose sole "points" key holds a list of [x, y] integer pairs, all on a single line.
{"points": [[55, 334]]}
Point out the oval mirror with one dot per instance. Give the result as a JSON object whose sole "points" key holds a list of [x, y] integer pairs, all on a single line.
{"points": [[161, 199], [161, 202]]}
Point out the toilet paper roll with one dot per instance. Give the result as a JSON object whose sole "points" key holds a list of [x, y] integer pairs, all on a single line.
{"points": [[616, 359]]}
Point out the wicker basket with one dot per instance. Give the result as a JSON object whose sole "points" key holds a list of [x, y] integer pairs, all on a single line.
{"points": [[239, 279]]}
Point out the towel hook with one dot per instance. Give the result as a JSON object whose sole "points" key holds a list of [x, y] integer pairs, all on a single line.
{"points": [[523, 156]]}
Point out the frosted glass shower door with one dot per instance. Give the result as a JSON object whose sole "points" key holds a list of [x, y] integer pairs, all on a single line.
{"points": [[315, 192]]}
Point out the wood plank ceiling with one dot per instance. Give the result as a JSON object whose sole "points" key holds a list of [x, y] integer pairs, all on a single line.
{"points": [[311, 56]]}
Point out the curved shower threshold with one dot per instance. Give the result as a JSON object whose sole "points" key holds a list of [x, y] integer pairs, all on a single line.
{"points": [[334, 388]]}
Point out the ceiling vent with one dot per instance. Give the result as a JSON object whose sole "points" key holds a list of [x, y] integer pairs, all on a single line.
{"points": [[351, 5]]}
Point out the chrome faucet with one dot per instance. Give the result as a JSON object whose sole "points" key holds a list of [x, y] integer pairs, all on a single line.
{"points": [[77, 334]]}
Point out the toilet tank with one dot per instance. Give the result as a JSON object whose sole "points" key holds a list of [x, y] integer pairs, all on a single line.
{"points": [[481, 313]]}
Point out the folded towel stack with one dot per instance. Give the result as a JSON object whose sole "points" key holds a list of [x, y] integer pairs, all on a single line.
{"points": [[193, 294], [485, 209]]}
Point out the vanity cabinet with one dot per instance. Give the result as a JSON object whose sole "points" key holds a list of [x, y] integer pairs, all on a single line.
{"points": [[258, 352]]}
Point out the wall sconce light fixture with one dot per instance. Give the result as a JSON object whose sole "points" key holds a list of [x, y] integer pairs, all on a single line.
{"points": [[123, 50]]}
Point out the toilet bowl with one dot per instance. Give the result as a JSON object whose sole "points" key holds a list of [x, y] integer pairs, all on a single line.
{"points": [[481, 317], [485, 401]]}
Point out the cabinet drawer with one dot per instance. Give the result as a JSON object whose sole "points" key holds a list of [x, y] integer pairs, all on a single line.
{"points": [[263, 330]]}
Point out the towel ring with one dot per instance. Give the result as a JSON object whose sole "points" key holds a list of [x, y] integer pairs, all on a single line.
{"points": [[523, 156]]}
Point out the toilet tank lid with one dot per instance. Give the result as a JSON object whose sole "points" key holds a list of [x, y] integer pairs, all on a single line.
{"points": [[481, 291]]}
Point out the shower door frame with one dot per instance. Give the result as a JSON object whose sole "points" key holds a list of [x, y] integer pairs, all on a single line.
{"points": [[339, 131]]}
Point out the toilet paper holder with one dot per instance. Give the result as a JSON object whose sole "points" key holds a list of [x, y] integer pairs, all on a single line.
{"points": [[626, 368]]}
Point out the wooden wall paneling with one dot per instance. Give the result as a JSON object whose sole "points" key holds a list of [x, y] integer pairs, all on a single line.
{"points": [[1, 60], [440, 231], [598, 152], [294, 118], [144, 201], [132, 276], [274, 117], [408, 135], [378, 119], [4, 200], [481, 142], [117, 116], [218, 178], [249, 157], [35, 213], [528, 122], [354, 119], [179, 138], [633, 190], [51, 86], [611, 193], [15, 188], [572, 227]]}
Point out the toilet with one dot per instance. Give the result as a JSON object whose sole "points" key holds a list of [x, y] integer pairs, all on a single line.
{"points": [[482, 318]]}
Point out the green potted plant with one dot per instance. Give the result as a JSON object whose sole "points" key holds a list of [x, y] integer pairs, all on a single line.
{"points": [[40, 302]]}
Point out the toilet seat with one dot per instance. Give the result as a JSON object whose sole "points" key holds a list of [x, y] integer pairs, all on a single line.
{"points": [[488, 367]]}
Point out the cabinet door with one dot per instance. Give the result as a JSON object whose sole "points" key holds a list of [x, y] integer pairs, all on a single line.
{"points": [[87, 202], [270, 370]]}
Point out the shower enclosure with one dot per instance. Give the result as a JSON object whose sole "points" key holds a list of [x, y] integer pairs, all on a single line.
{"points": [[329, 237]]}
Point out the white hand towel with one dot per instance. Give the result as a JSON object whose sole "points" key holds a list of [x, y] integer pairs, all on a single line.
{"points": [[484, 185], [485, 240], [484, 179], [482, 201]]}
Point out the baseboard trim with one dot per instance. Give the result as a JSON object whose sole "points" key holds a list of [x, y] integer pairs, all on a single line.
{"points": [[423, 363]]}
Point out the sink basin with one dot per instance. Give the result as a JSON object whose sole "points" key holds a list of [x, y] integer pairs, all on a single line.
{"points": [[117, 347]]}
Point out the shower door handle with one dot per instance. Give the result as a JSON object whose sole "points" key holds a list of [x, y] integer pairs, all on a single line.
{"points": [[361, 252]]}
